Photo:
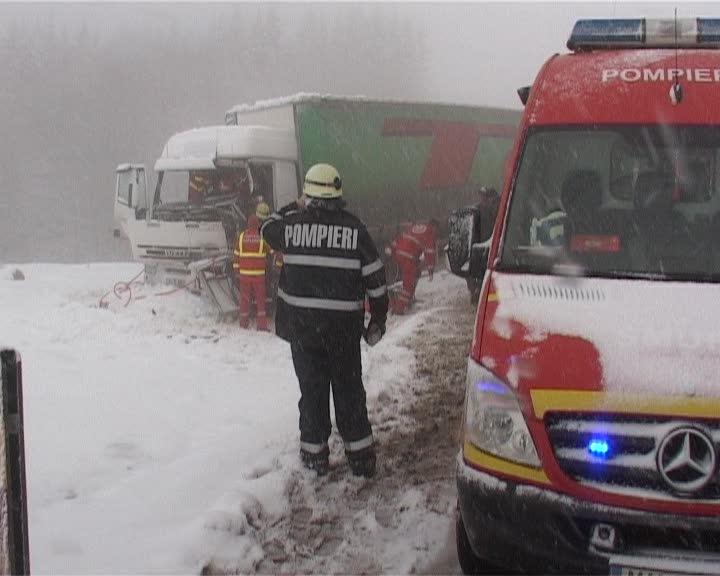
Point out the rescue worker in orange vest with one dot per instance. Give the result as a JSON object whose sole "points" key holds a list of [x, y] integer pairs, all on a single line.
{"points": [[251, 256], [415, 241]]}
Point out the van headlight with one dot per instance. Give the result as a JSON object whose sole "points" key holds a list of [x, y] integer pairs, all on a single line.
{"points": [[493, 419]]}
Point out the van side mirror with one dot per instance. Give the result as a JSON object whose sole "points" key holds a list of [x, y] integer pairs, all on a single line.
{"points": [[479, 253], [467, 257]]}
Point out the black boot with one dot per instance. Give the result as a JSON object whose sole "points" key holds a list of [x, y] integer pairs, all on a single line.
{"points": [[362, 462], [319, 462]]}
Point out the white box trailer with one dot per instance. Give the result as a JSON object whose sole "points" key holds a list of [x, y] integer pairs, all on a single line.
{"points": [[170, 228]]}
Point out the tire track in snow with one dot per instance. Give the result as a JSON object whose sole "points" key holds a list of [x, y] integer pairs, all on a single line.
{"points": [[402, 521]]}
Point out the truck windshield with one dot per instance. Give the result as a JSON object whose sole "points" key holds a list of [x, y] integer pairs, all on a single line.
{"points": [[203, 186], [628, 201]]}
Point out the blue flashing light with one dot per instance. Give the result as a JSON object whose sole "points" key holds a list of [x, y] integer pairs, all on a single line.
{"points": [[604, 32], [490, 386], [645, 33], [708, 30], [599, 447]]}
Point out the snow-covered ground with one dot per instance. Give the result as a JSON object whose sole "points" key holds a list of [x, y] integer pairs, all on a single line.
{"points": [[159, 440]]}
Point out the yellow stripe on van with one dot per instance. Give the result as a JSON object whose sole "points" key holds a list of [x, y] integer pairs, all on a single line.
{"points": [[544, 401], [489, 462]]}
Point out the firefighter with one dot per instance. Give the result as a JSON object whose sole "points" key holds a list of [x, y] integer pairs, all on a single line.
{"points": [[251, 255], [414, 242], [330, 264]]}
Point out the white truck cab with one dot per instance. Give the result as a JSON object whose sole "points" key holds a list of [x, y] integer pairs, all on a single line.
{"points": [[209, 181]]}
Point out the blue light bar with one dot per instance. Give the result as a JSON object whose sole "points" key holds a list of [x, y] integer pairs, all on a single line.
{"points": [[708, 30], [599, 447], [605, 32], [645, 33]]}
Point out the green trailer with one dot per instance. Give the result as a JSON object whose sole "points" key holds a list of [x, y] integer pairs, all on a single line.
{"points": [[400, 161]]}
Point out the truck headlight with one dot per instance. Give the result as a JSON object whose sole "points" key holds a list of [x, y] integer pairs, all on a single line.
{"points": [[493, 419]]}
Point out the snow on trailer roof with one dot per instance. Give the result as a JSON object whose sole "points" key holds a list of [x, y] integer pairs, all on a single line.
{"points": [[127, 166], [199, 149], [302, 97]]}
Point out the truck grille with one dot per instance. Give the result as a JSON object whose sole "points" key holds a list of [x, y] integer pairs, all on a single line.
{"points": [[630, 466]]}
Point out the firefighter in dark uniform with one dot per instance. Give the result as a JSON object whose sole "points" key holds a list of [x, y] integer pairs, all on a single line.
{"points": [[330, 264]]}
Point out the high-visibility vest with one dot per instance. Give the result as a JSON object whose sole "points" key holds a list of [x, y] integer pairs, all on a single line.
{"points": [[250, 254]]}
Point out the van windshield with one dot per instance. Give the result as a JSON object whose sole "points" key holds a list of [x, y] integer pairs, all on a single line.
{"points": [[627, 201]]}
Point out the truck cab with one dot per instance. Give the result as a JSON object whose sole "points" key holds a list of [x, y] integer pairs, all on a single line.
{"points": [[591, 424], [209, 181]]}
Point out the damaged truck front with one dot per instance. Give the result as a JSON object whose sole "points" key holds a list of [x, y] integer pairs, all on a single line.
{"points": [[209, 180]]}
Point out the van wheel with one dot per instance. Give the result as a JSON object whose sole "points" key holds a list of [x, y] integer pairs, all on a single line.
{"points": [[469, 561]]}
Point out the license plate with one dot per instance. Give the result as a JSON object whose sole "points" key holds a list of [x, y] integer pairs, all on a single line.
{"points": [[663, 566]]}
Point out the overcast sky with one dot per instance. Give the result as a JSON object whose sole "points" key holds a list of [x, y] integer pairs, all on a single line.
{"points": [[483, 52], [478, 52], [88, 86]]}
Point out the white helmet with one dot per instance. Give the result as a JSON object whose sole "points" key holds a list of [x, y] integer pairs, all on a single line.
{"points": [[322, 181]]}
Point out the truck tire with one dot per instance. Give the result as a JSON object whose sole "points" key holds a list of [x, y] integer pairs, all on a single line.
{"points": [[470, 562]]}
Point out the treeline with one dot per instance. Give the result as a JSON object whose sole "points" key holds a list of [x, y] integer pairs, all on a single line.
{"points": [[88, 86]]}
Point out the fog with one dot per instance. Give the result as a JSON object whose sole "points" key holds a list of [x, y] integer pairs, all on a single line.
{"points": [[88, 86]]}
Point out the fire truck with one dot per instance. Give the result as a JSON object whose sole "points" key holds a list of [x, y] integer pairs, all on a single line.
{"points": [[591, 427]]}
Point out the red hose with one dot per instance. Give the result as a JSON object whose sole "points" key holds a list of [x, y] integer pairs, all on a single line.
{"points": [[121, 288]]}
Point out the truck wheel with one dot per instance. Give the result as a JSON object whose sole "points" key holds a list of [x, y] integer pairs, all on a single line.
{"points": [[469, 561]]}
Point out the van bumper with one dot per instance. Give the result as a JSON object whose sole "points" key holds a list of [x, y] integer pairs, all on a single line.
{"points": [[523, 527]]}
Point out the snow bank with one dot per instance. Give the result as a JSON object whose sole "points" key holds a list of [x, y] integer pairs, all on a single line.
{"points": [[157, 438]]}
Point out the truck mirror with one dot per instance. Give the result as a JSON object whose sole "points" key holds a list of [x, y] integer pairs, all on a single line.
{"points": [[463, 231]]}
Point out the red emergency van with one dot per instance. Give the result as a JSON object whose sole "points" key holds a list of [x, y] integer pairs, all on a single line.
{"points": [[591, 431]]}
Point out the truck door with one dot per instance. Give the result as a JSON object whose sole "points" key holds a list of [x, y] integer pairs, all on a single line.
{"points": [[130, 196], [286, 184]]}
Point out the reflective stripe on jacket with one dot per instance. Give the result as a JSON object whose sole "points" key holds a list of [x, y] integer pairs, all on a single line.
{"points": [[330, 264]]}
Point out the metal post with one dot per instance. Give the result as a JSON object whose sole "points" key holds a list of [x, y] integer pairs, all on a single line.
{"points": [[14, 542]]}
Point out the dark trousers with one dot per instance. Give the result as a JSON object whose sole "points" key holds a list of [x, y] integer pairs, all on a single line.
{"points": [[331, 360]]}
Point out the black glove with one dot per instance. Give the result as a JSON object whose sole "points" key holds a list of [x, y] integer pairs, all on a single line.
{"points": [[373, 333]]}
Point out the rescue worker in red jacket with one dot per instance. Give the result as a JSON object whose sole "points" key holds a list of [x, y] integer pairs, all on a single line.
{"points": [[251, 256], [197, 187], [415, 241]]}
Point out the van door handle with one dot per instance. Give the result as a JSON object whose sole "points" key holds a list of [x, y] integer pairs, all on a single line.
{"points": [[152, 224], [192, 225]]}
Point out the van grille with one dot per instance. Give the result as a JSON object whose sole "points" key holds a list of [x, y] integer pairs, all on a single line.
{"points": [[630, 466], [556, 291]]}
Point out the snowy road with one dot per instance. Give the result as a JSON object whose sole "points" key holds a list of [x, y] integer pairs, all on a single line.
{"points": [[159, 441]]}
